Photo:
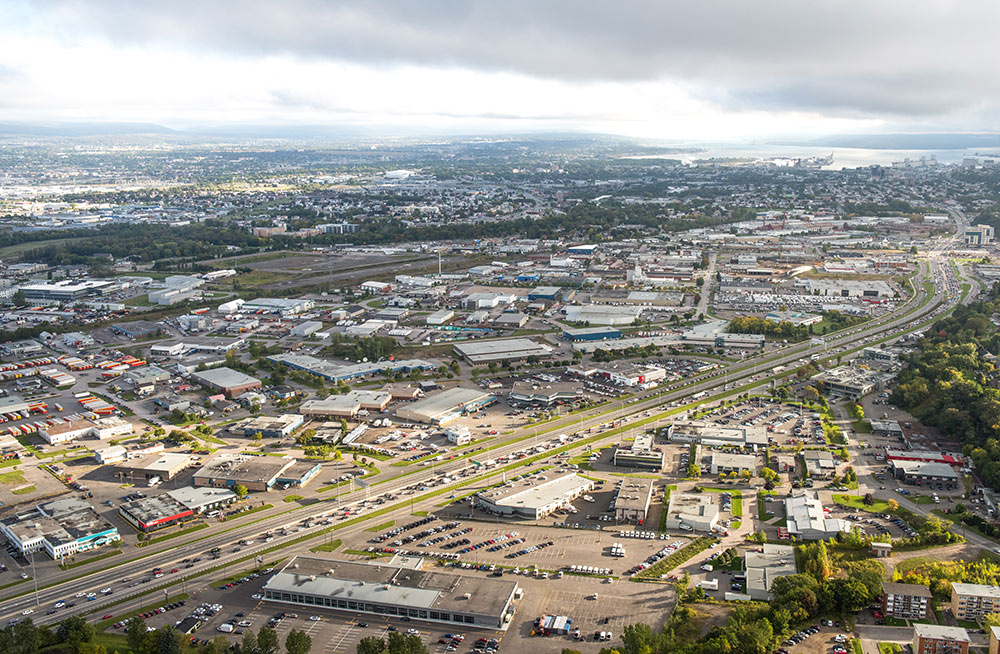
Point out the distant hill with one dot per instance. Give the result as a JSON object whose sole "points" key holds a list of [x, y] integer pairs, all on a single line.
{"points": [[81, 129]]}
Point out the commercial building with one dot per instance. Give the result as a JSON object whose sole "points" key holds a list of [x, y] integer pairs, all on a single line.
{"points": [[853, 383], [796, 318], [939, 476], [622, 373], [256, 473], [458, 435], [509, 349], [632, 498], [337, 372], [550, 394], [976, 235], [60, 528], [269, 426], [886, 428], [974, 601], [347, 405], [527, 498], [640, 453], [588, 334], [763, 567], [880, 355], [938, 639], [137, 329], [549, 293], [602, 314], [906, 601], [306, 328], [66, 290], [154, 513], [850, 288], [820, 463], [724, 463], [226, 380], [807, 519], [444, 406], [65, 432], [162, 465], [109, 455], [203, 500], [927, 456], [283, 306], [440, 317], [21, 349], [710, 434], [395, 590], [692, 511]]}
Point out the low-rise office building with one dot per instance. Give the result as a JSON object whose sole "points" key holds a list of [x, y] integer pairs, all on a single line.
{"points": [[60, 528], [807, 519], [820, 463], [530, 499], [544, 394], [710, 434], [763, 567], [226, 380], [692, 511], [161, 465], [508, 349], [378, 589], [640, 453], [269, 426], [724, 463], [938, 476], [853, 383]]}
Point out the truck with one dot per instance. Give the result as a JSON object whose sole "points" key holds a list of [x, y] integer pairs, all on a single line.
{"points": [[709, 584], [153, 481], [225, 628]]}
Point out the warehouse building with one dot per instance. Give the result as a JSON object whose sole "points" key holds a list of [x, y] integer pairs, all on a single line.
{"points": [[347, 405], [544, 395], [763, 567], [307, 328], [850, 288], [640, 453], [937, 476], [509, 349], [283, 306], [256, 473], [60, 528], [631, 500], [161, 465], [440, 317], [927, 456], [548, 293], [806, 518], [444, 406], [602, 314], [820, 463], [226, 380], [692, 512], [65, 432], [393, 590], [137, 329], [527, 498], [337, 372], [886, 428], [269, 426], [710, 434], [588, 334], [66, 290], [21, 349]]}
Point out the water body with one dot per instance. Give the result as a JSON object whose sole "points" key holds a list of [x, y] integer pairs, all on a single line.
{"points": [[842, 157]]}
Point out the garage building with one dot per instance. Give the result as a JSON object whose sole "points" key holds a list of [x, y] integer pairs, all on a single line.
{"points": [[509, 349]]}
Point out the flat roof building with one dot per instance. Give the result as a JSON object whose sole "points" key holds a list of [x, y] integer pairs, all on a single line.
{"points": [[551, 394], [591, 334], [226, 380], [727, 463], [508, 349], [165, 465], [974, 601], [444, 406], [710, 434], [640, 453], [807, 519], [692, 511], [763, 567], [256, 473], [380, 590], [269, 426], [939, 639], [529, 498], [938, 476], [60, 528], [906, 601], [632, 499]]}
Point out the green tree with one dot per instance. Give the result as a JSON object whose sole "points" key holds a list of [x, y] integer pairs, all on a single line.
{"points": [[135, 634], [75, 631], [267, 641], [167, 641], [249, 644], [298, 642], [240, 490], [21, 638], [368, 645]]}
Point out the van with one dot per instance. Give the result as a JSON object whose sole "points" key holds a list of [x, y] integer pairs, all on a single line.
{"points": [[225, 628]]}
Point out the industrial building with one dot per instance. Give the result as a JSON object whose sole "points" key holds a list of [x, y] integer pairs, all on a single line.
{"points": [[763, 567], [806, 518], [874, 288], [710, 434], [632, 498], [60, 528], [621, 373], [335, 372], [602, 314], [906, 601], [347, 405], [137, 329], [161, 465], [283, 306], [886, 428], [158, 512], [927, 456], [588, 334], [546, 395], [256, 473], [724, 463], [509, 349], [65, 432], [444, 406], [394, 590], [226, 380], [269, 426], [640, 453], [66, 290], [937, 476], [527, 498], [440, 317], [692, 511], [820, 463], [797, 318], [307, 328]]}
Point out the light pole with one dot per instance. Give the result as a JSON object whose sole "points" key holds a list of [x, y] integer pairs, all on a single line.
{"points": [[34, 578]]}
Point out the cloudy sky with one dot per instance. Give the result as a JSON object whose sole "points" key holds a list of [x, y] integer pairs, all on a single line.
{"points": [[716, 69]]}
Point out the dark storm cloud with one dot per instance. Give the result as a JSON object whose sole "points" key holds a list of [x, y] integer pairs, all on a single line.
{"points": [[886, 57]]}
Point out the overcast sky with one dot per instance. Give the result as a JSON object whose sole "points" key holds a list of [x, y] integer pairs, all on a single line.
{"points": [[710, 69]]}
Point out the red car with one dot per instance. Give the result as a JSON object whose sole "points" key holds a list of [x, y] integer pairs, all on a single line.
{"points": [[107, 616], [175, 570]]}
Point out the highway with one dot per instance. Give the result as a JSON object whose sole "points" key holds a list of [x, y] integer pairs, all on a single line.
{"points": [[743, 374]]}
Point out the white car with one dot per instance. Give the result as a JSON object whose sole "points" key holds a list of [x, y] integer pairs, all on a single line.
{"points": [[413, 632], [27, 611], [315, 618], [257, 596]]}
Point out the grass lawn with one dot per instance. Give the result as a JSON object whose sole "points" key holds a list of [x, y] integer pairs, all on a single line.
{"points": [[182, 532], [857, 502], [293, 498], [421, 514], [889, 648], [382, 527], [862, 426], [856, 646], [24, 490], [12, 478], [895, 622], [735, 524], [332, 546]]}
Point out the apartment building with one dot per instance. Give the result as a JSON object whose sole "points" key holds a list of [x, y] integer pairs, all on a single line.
{"points": [[906, 601], [973, 601], [937, 639]]}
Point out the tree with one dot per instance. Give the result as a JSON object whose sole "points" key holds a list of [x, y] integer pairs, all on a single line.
{"points": [[298, 642], [893, 505], [240, 490], [868, 499], [267, 641], [343, 427], [368, 645], [21, 638], [167, 641], [135, 634], [249, 645], [75, 631]]}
